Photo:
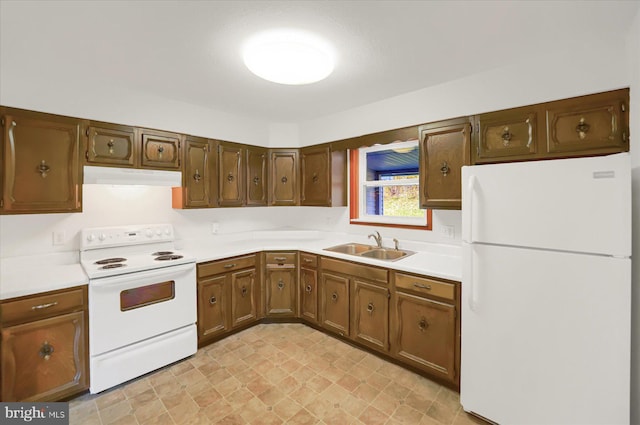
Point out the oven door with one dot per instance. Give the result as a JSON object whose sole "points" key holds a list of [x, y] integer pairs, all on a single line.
{"points": [[129, 308]]}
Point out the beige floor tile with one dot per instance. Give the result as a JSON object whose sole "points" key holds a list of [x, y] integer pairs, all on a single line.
{"points": [[275, 374]]}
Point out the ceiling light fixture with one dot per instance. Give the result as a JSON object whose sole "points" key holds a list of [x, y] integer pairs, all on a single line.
{"points": [[287, 56]]}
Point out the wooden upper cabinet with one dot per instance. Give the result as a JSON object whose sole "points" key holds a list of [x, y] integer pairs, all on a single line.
{"points": [[160, 149], [42, 167], [230, 175], [283, 182], [110, 144], [315, 166], [594, 124], [444, 149], [506, 135], [256, 176], [199, 165]]}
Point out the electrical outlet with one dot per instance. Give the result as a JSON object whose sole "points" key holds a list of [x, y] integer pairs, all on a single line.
{"points": [[449, 231], [215, 228], [59, 237]]}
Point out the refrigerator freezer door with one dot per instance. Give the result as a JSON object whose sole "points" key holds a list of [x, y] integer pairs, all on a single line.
{"points": [[547, 338], [560, 204]]}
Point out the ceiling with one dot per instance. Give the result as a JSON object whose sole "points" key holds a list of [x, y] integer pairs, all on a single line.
{"points": [[190, 50]]}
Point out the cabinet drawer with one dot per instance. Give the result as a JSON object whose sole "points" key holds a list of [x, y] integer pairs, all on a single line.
{"points": [[280, 258], [223, 266], [360, 270], [308, 260], [426, 286], [36, 307]]}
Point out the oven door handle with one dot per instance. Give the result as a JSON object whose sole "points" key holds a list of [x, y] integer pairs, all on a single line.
{"points": [[162, 274]]}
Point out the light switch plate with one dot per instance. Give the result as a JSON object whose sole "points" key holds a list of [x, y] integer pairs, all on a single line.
{"points": [[449, 232]]}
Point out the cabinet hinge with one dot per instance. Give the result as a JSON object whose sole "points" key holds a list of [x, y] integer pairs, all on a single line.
{"points": [[3, 121], [624, 136], [86, 155], [87, 132], [1, 203], [470, 128], [388, 294], [623, 107]]}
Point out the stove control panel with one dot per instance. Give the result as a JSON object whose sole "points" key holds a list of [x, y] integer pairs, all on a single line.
{"points": [[106, 237]]}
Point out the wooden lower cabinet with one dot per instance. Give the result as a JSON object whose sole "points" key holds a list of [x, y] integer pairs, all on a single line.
{"points": [[426, 334], [308, 292], [243, 297], [228, 294], [44, 350], [212, 307], [280, 284], [334, 310], [370, 314]]}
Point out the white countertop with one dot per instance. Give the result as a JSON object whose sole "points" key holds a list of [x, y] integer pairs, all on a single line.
{"points": [[20, 276]]}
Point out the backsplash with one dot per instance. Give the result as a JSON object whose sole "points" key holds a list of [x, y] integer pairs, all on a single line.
{"points": [[105, 205]]}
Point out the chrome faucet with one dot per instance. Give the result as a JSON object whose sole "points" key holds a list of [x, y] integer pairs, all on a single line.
{"points": [[376, 236]]}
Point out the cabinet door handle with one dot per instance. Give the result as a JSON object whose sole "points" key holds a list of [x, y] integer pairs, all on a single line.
{"points": [[110, 145], [284, 179], [315, 178], [370, 308], [43, 169], [46, 350], [280, 284], [445, 168], [228, 266], [230, 177], [43, 306], [197, 176], [243, 291], [256, 180], [422, 286], [506, 136], [212, 300], [308, 289], [334, 297], [423, 324], [582, 128]]}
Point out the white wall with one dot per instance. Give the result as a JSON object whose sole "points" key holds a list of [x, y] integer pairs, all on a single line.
{"points": [[633, 54]]}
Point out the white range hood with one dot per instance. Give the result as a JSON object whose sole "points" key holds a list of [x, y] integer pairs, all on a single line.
{"points": [[131, 176]]}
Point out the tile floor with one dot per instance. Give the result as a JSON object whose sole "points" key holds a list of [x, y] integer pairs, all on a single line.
{"points": [[275, 374]]}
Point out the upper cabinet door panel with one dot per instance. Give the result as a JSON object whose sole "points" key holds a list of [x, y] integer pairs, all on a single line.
{"points": [[589, 124], [443, 152], [506, 135], [316, 177], [196, 177], [230, 175], [42, 165], [284, 177], [160, 149], [111, 145], [256, 176]]}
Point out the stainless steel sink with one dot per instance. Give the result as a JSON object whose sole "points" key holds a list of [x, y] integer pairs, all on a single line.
{"points": [[370, 251], [386, 254], [351, 248]]}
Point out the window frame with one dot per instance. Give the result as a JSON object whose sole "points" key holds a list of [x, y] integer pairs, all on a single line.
{"points": [[356, 201]]}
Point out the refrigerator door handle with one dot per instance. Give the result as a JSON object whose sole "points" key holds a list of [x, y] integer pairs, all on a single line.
{"points": [[471, 285], [471, 188]]}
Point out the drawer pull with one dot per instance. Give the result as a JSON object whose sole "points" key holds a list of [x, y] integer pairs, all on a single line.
{"points": [[334, 297], [280, 284], [308, 289], [46, 350], [423, 324], [110, 144], [213, 300], [445, 169], [506, 136], [243, 291], [422, 286], [43, 306], [228, 266], [370, 308], [582, 128], [307, 260], [280, 258], [43, 169]]}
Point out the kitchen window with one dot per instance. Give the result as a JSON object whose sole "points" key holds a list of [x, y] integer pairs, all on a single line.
{"points": [[384, 186]]}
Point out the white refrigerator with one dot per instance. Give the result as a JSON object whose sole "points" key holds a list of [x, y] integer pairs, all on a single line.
{"points": [[546, 291]]}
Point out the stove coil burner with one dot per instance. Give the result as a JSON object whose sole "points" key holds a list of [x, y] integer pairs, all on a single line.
{"points": [[168, 257], [111, 261], [162, 253], [112, 266]]}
